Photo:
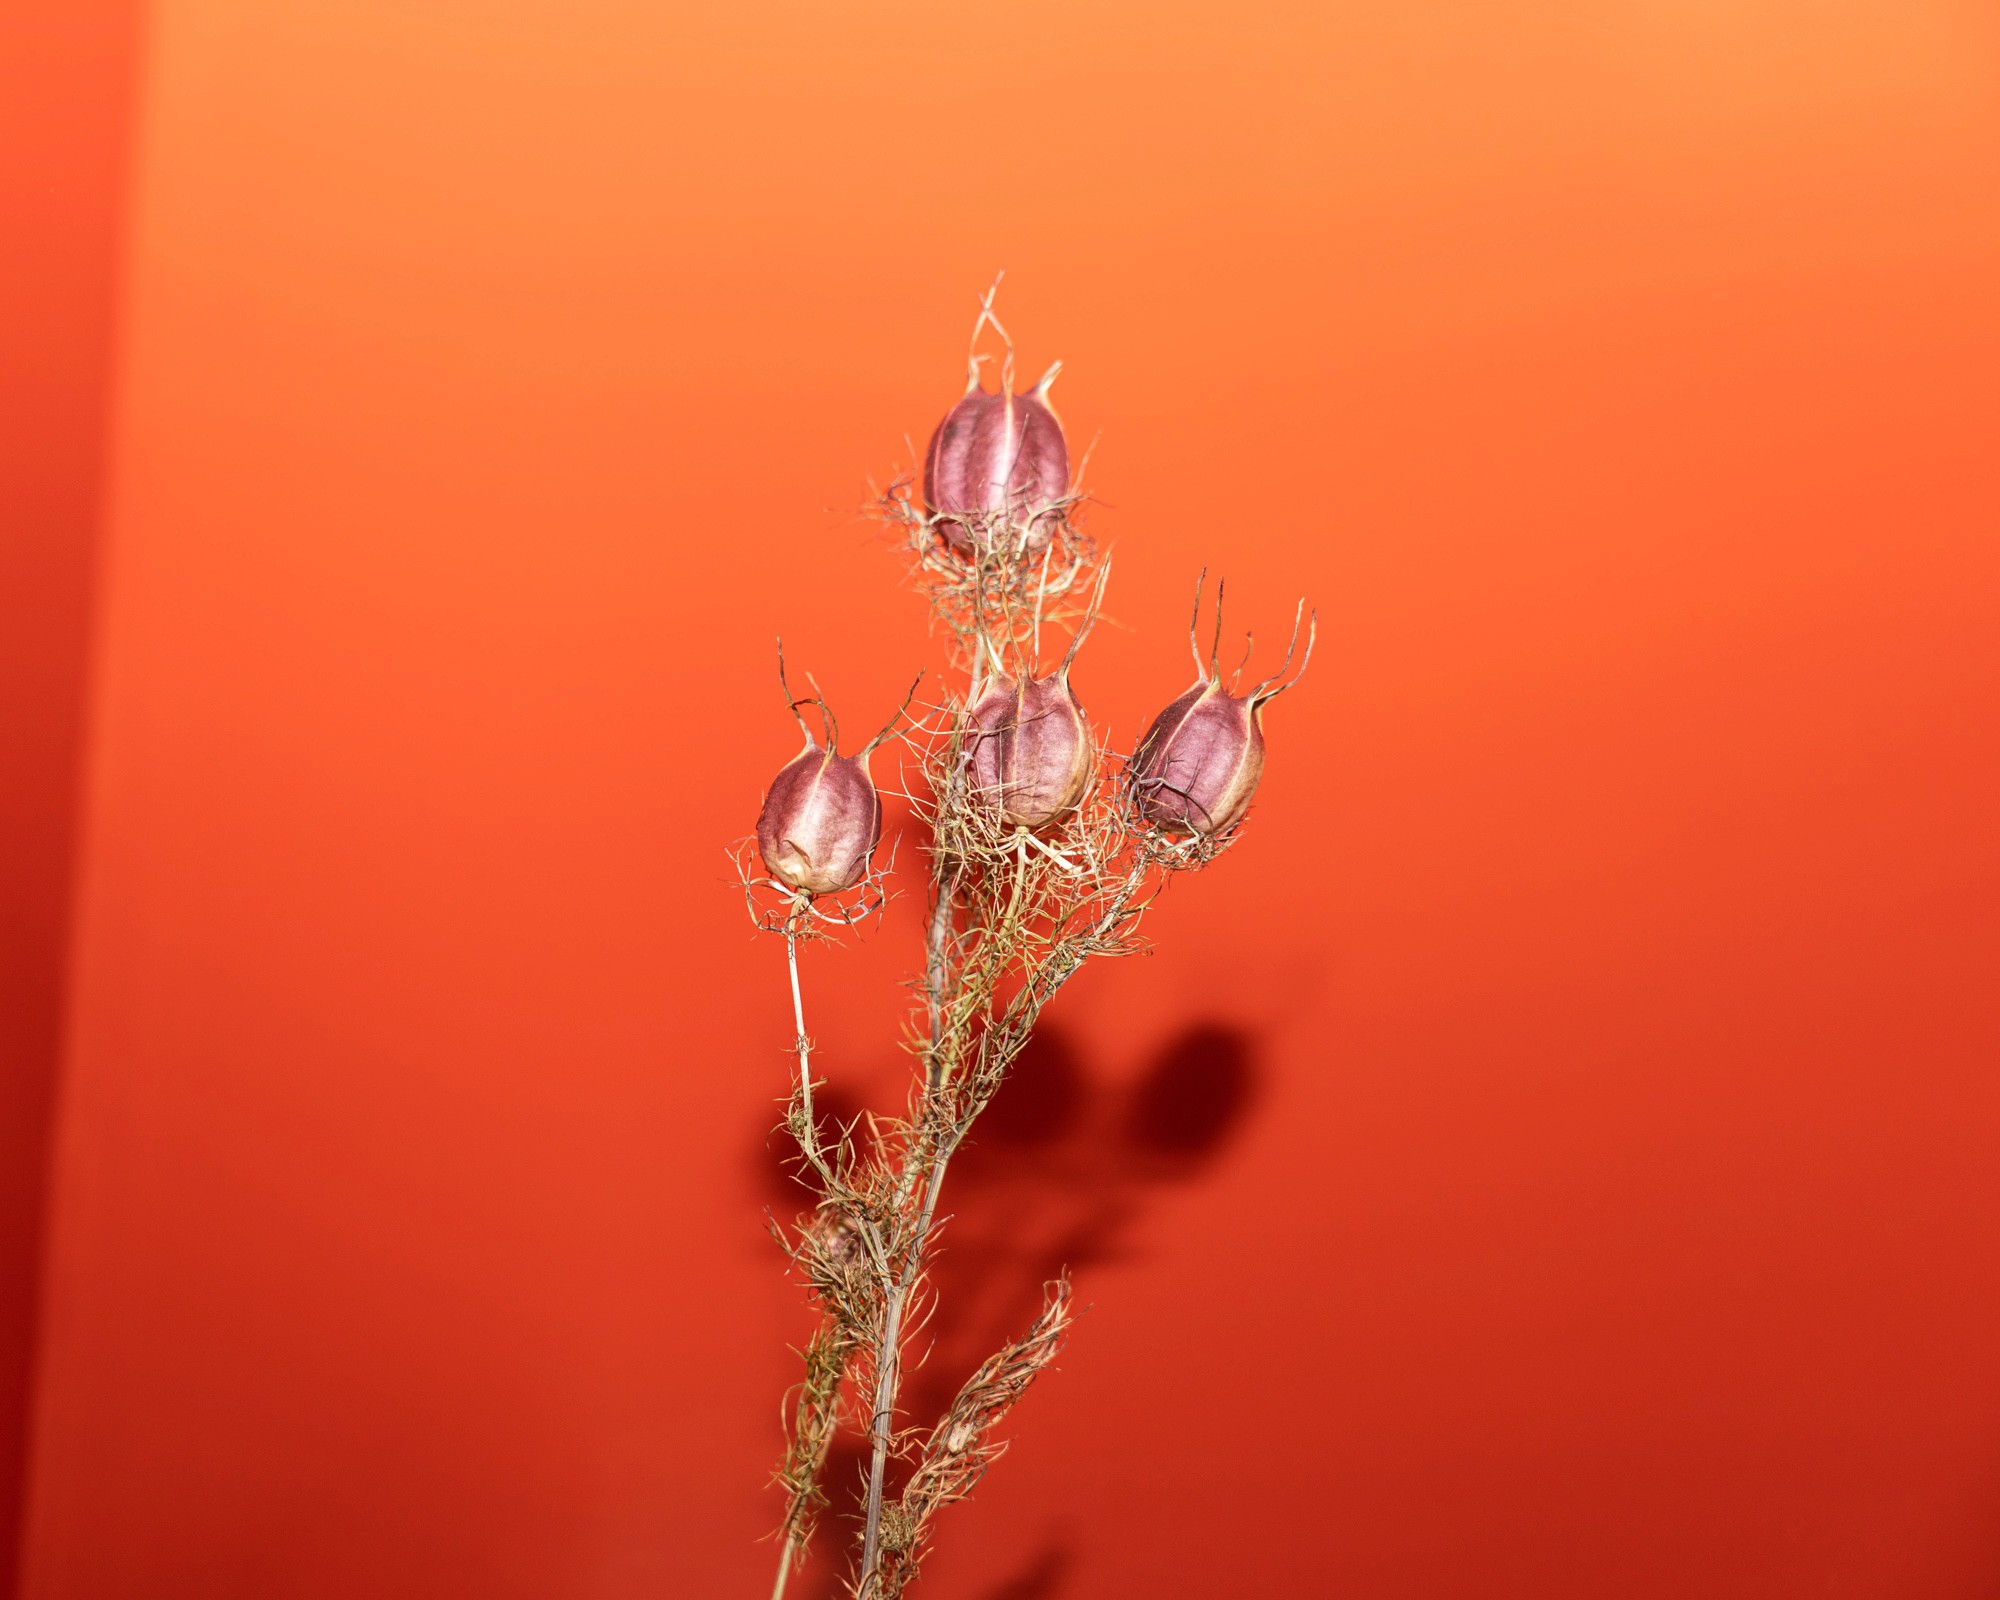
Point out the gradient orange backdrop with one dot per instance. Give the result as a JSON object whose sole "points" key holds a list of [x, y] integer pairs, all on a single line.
{"points": [[1600, 1195]]}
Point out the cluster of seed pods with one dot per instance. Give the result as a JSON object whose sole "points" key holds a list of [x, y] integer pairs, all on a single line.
{"points": [[998, 466]]}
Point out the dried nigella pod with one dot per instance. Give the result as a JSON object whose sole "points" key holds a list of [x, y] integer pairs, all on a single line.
{"points": [[1031, 749], [821, 822], [998, 467], [1197, 766], [822, 817]]}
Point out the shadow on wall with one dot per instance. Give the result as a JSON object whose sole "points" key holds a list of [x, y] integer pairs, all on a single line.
{"points": [[1041, 1579], [1062, 1164]]}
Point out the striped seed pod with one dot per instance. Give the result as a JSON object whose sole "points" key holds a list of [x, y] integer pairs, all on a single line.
{"points": [[1030, 748], [1032, 753], [997, 471], [1198, 765], [821, 818]]}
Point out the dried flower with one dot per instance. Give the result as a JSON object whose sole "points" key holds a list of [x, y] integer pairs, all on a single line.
{"points": [[998, 465], [1013, 917], [821, 822], [1198, 765], [822, 817], [1031, 749]]}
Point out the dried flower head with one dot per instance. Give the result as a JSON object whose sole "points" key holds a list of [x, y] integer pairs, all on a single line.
{"points": [[1031, 751], [998, 467], [821, 818], [1198, 764]]}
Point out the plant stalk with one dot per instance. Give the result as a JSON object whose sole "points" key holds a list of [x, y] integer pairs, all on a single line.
{"points": [[889, 1372], [888, 1363], [808, 1142]]}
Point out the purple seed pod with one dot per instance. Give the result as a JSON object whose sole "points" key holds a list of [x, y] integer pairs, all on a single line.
{"points": [[998, 465], [1032, 753], [1198, 765], [1030, 747], [821, 822], [822, 817]]}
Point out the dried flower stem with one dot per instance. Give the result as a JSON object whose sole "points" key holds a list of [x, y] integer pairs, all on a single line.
{"points": [[808, 1129], [889, 1364], [785, 1553], [930, 1159], [939, 936], [1042, 862]]}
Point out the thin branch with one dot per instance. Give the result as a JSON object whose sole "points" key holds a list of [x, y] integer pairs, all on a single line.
{"points": [[804, 1127]]}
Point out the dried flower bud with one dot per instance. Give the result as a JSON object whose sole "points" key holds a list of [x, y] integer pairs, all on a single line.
{"points": [[1198, 765], [998, 464], [821, 822], [822, 817], [1031, 749]]}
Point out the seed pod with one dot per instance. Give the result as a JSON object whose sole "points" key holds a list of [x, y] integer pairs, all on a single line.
{"points": [[1031, 749], [998, 467], [821, 822], [1198, 765], [821, 818]]}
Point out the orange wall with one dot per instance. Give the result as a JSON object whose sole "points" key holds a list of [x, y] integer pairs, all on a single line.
{"points": [[1593, 1192], [66, 80]]}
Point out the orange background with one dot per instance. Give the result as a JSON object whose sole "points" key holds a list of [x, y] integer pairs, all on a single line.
{"points": [[1552, 1154]]}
